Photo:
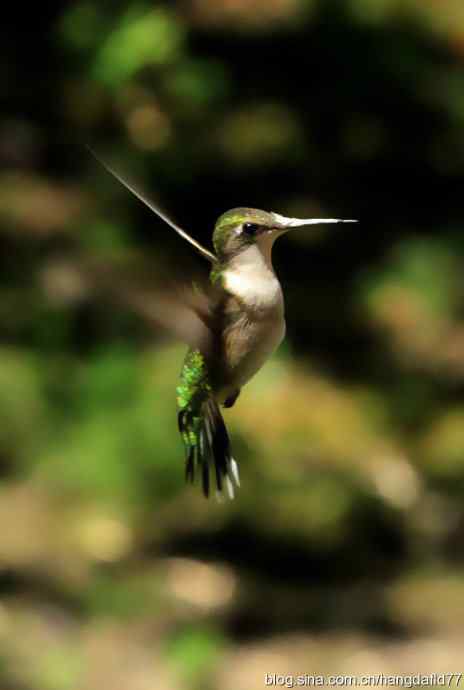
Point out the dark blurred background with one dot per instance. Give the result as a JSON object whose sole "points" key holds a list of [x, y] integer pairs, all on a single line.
{"points": [[344, 550]]}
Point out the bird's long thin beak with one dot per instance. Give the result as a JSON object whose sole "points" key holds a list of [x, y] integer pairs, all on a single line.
{"points": [[287, 223]]}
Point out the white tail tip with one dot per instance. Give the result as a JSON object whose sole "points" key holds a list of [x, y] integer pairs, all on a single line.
{"points": [[234, 471]]}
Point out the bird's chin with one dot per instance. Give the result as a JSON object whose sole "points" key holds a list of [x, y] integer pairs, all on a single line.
{"points": [[267, 238], [265, 242], [276, 232]]}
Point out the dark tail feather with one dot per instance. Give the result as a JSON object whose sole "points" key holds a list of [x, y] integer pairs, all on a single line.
{"points": [[206, 441], [205, 478], [190, 465]]}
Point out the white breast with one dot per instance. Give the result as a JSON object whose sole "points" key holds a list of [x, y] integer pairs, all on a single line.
{"points": [[257, 291], [261, 327], [252, 279]]}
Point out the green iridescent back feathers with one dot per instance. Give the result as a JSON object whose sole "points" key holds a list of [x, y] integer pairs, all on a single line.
{"points": [[202, 428]]}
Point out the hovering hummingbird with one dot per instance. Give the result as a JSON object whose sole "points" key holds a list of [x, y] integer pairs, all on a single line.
{"points": [[241, 324]]}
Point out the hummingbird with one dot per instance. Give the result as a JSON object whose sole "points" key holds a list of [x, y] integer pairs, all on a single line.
{"points": [[241, 323]]}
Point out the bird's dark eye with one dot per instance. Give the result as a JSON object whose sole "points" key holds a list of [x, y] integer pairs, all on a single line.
{"points": [[250, 228]]}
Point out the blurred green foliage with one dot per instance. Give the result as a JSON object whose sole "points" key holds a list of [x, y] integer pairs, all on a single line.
{"points": [[343, 551]]}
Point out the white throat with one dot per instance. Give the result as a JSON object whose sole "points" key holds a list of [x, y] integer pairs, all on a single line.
{"points": [[251, 278]]}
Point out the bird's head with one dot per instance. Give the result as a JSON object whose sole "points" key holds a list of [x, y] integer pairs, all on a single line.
{"points": [[240, 228]]}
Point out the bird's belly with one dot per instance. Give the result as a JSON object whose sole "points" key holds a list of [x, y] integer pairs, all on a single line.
{"points": [[247, 346]]}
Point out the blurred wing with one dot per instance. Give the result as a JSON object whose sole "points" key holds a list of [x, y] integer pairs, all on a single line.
{"points": [[199, 247], [183, 311]]}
